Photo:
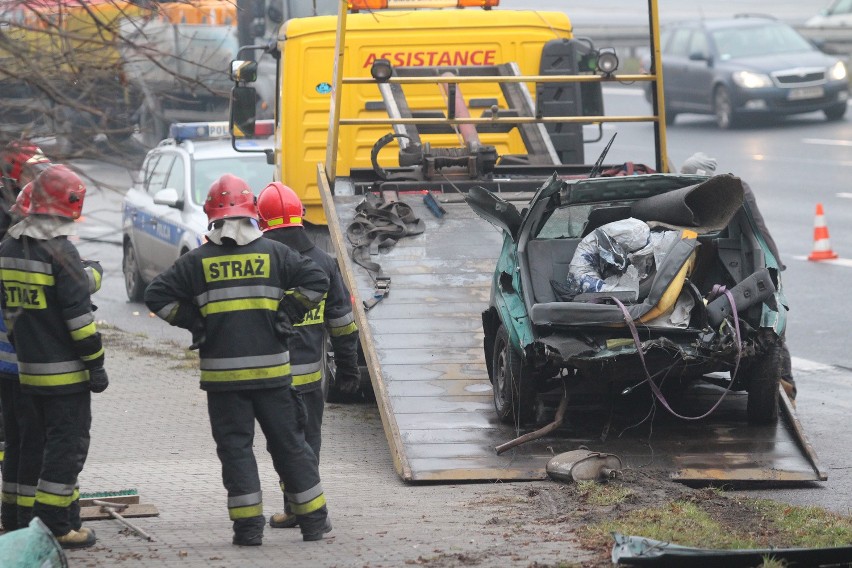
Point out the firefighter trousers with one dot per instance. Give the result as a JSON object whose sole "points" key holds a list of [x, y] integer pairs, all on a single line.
{"points": [[24, 444], [281, 415], [66, 420], [314, 406]]}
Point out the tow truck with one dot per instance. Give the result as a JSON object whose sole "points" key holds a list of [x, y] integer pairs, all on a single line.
{"points": [[422, 296]]}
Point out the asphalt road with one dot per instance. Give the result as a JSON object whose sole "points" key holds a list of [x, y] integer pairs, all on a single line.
{"points": [[791, 165]]}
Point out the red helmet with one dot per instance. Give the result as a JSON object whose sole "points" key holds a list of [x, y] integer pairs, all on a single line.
{"points": [[19, 156], [57, 191], [21, 206], [279, 206], [230, 197]]}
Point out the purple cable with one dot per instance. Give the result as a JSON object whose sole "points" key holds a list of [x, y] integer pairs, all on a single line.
{"points": [[717, 290]]}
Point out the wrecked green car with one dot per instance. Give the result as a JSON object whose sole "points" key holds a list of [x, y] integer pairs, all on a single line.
{"points": [[576, 309]]}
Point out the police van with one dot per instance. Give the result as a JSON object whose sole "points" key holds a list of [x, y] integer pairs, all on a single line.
{"points": [[162, 216]]}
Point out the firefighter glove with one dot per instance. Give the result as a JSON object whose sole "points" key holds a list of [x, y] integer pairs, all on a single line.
{"points": [[294, 311], [348, 381], [199, 334], [289, 311], [283, 327], [98, 380]]}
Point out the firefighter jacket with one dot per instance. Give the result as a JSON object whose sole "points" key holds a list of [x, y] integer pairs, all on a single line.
{"points": [[233, 292], [47, 310], [333, 314]]}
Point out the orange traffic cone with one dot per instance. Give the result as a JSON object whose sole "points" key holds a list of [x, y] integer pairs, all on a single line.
{"points": [[822, 248]]}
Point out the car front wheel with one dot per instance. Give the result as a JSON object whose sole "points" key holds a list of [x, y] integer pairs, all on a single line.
{"points": [[513, 383], [724, 109], [836, 112], [133, 282]]}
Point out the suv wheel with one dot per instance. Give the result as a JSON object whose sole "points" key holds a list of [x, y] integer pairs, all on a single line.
{"points": [[724, 109], [133, 282], [763, 385], [513, 383]]}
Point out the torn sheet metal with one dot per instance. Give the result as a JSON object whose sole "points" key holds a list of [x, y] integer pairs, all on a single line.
{"points": [[641, 551]]}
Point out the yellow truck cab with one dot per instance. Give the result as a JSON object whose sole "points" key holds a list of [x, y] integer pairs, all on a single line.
{"points": [[407, 39]]}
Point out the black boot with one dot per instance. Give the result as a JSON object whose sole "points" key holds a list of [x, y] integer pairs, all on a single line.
{"points": [[315, 525], [249, 532]]}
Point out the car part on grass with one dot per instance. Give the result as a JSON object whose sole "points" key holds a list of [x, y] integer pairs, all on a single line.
{"points": [[642, 551], [584, 465]]}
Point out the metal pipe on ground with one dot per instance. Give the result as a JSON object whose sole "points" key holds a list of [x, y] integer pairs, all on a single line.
{"points": [[541, 432]]}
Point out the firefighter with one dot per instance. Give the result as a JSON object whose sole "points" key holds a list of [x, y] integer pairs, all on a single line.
{"points": [[20, 162], [230, 292], [281, 214], [47, 309]]}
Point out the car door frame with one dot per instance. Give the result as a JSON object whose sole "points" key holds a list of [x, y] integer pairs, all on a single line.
{"points": [[172, 220]]}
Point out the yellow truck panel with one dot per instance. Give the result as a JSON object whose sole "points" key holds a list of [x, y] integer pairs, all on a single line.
{"points": [[472, 37]]}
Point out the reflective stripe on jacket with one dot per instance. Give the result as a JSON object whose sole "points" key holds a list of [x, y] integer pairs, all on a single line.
{"points": [[333, 314], [47, 306], [233, 292]]}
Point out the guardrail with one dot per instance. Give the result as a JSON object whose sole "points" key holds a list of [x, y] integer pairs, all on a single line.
{"points": [[634, 39]]}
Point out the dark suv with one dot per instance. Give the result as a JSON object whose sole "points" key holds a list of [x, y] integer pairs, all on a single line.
{"points": [[748, 66]]}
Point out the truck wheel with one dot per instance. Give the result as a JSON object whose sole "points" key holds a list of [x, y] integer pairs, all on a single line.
{"points": [[513, 384], [763, 386], [133, 282]]}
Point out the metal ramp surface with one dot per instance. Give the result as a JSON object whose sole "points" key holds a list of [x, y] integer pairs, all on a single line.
{"points": [[423, 344]]}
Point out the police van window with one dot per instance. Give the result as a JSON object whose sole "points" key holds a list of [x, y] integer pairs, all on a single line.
{"points": [[177, 177], [160, 172], [253, 169]]}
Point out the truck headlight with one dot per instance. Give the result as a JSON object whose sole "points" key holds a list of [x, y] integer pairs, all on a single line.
{"points": [[837, 72], [749, 80]]}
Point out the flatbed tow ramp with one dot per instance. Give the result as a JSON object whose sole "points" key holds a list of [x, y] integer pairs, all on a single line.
{"points": [[423, 341], [423, 346]]}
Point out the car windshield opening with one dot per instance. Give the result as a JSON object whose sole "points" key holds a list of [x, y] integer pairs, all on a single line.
{"points": [[756, 41], [253, 169]]}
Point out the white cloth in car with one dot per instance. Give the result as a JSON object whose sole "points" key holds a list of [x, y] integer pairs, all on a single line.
{"points": [[241, 230], [43, 227]]}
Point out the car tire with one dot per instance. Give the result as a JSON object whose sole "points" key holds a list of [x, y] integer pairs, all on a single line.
{"points": [[133, 283], [726, 118], [513, 384], [836, 112], [762, 407]]}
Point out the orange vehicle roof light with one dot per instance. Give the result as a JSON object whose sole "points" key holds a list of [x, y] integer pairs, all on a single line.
{"points": [[413, 4]]}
